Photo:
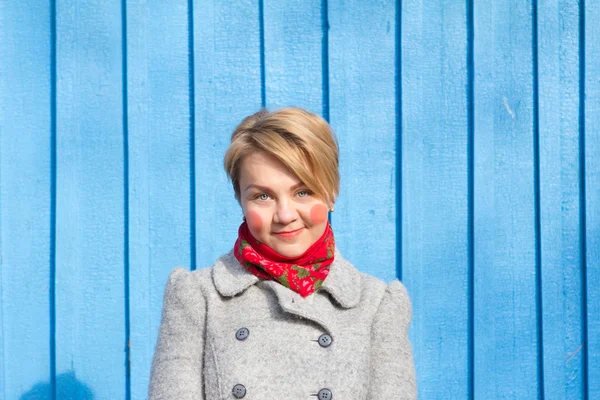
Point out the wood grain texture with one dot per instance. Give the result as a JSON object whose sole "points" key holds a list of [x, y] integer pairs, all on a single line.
{"points": [[363, 115], [505, 326], [143, 122], [435, 203], [25, 196], [561, 269], [227, 89], [90, 240], [294, 41], [159, 150], [590, 176]]}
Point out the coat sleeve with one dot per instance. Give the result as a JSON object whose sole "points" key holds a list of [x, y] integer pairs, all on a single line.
{"points": [[392, 374], [178, 358]]}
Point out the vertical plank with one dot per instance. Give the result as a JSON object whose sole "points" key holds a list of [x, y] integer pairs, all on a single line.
{"points": [[435, 214], [363, 114], [591, 196], [90, 307], [227, 87], [25, 198], [159, 140], [294, 48], [558, 61], [505, 341]]}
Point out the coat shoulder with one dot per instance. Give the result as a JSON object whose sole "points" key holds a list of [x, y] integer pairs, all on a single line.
{"points": [[183, 276], [371, 283], [378, 291], [186, 284], [398, 294], [226, 277]]}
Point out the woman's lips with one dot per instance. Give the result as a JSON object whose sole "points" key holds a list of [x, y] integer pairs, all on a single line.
{"points": [[289, 234]]}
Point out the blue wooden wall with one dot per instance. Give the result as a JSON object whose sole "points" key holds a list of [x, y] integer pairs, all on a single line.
{"points": [[470, 162]]}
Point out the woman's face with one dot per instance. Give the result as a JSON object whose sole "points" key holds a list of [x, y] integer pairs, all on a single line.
{"points": [[280, 211]]}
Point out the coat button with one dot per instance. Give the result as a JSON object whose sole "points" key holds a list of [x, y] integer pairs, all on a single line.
{"points": [[325, 394], [325, 340], [242, 334], [239, 391]]}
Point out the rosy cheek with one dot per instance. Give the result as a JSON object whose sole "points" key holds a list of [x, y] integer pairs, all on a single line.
{"points": [[318, 214], [254, 220]]}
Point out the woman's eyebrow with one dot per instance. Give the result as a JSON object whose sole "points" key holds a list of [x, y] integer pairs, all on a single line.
{"points": [[266, 189], [253, 186]]}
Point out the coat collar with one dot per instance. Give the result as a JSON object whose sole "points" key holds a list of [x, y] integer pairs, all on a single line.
{"points": [[343, 282]]}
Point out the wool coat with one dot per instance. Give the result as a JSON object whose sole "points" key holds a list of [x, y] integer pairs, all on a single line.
{"points": [[225, 334]]}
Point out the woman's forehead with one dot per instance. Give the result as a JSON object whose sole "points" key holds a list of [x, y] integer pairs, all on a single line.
{"points": [[261, 169]]}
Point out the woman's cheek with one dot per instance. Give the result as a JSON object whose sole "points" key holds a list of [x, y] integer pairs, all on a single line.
{"points": [[255, 221], [318, 214]]}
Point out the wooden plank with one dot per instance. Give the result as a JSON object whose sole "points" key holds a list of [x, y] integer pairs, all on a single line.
{"points": [[558, 60], [159, 144], [591, 196], [227, 87], [90, 240], [25, 199], [294, 47], [505, 341], [363, 114], [435, 204]]}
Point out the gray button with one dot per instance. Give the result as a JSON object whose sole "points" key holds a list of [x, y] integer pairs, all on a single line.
{"points": [[242, 334], [324, 394], [325, 340], [239, 391]]}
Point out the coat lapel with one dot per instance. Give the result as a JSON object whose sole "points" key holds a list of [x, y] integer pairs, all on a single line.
{"points": [[343, 284], [230, 278]]}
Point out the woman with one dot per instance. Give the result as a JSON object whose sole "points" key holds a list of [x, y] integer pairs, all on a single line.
{"points": [[283, 315]]}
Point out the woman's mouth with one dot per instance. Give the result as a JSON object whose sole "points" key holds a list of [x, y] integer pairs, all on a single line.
{"points": [[288, 234]]}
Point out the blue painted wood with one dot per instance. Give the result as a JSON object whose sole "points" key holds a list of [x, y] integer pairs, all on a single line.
{"points": [[505, 328], [25, 195], [363, 115], [590, 176], [435, 251], [159, 145], [294, 48], [227, 88], [194, 70], [90, 239], [560, 242]]}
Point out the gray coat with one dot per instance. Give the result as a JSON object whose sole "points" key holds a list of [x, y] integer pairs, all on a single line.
{"points": [[225, 334]]}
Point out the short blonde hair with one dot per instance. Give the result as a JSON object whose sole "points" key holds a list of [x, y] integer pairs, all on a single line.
{"points": [[302, 141]]}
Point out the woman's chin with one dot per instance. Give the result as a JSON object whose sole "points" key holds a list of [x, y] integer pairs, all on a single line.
{"points": [[291, 250]]}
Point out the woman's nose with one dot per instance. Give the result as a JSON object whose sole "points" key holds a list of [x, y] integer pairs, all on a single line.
{"points": [[285, 213]]}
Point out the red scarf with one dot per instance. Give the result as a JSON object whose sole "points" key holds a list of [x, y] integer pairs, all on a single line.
{"points": [[303, 274]]}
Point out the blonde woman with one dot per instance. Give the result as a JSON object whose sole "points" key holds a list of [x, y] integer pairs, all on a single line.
{"points": [[283, 315]]}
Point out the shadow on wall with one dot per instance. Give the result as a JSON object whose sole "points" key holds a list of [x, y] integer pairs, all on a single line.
{"points": [[67, 388]]}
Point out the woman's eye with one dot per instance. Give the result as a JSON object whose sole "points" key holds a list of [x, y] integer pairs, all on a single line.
{"points": [[303, 193], [263, 196]]}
